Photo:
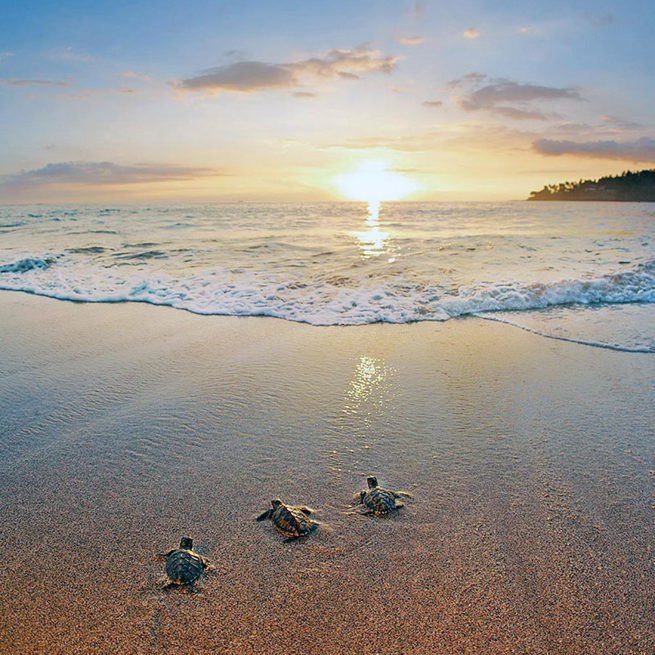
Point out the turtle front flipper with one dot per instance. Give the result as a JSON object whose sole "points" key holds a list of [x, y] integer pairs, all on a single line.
{"points": [[402, 494], [358, 497], [165, 555], [306, 510], [266, 515], [206, 564]]}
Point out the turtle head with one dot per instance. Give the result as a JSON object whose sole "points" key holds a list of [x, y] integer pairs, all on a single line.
{"points": [[186, 543], [276, 503], [372, 481]]}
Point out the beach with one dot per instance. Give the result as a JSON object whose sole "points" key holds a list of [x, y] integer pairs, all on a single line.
{"points": [[125, 426]]}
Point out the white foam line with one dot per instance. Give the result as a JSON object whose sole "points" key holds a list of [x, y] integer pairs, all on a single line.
{"points": [[582, 342]]}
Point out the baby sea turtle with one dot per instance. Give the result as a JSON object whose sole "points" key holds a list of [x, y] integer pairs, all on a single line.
{"points": [[292, 521], [184, 566], [377, 500]]}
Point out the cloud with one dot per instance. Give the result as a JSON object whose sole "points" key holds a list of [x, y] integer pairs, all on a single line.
{"points": [[418, 9], [134, 75], [471, 33], [492, 95], [304, 94], [469, 78], [620, 124], [6, 55], [601, 20], [401, 143], [411, 40], [501, 90], [248, 76], [69, 54], [243, 76], [14, 82], [94, 173], [432, 103], [523, 114], [641, 150]]}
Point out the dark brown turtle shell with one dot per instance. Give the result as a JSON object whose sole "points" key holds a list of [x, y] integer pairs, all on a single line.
{"points": [[184, 567], [380, 500], [291, 521]]}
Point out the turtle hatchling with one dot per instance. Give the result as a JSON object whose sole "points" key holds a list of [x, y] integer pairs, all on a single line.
{"points": [[184, 566], [377, 500], [292, 521]]}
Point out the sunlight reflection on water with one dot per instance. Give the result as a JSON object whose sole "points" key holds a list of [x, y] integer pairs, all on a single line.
{"points": [[374, 241]]}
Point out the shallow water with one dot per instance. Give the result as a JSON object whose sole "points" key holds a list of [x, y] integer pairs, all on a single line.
{"points": [[349, 264]]}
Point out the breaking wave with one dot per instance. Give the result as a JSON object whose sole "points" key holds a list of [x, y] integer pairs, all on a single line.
{"points": [[327, 301]]}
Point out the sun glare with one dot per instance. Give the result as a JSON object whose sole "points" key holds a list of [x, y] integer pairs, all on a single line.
{"points": [[374, 183]]}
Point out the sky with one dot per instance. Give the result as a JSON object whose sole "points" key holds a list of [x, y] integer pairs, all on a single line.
{"points": [[278, 100]]}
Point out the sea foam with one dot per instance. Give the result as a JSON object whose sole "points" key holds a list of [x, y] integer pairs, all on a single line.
{"points": [[331, 264]]}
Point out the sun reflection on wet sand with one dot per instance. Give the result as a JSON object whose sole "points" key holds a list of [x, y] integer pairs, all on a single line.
{"points": [[370, 373], [364, 401]]}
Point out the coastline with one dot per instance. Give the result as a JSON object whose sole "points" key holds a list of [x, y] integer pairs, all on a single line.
{"points": [[125, 426]]}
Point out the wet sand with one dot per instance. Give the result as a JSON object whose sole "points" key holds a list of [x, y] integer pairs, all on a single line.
{"points": [[124, 427]]}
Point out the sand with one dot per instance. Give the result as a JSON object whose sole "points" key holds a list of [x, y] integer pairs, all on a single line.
{"points": [[124, 427]]}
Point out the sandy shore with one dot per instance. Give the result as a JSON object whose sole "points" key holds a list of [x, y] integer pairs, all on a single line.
{"points": [[124, 427]]}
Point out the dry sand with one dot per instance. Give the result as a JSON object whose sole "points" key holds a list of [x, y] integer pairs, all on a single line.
{"points": [[124, 427]]}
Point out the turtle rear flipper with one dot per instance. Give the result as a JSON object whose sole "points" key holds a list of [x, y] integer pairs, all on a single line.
{"points": [[402, 494], [170, 586], [399, 504]]}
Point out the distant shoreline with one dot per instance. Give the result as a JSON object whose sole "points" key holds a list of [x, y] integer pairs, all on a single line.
{"points": [[627, 187], [568, 199]]}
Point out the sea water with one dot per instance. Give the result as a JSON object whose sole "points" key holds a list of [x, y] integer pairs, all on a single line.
{"points": [[576, 271]]}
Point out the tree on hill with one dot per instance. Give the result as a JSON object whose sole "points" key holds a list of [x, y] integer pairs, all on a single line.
{"points": [[629, 186]]}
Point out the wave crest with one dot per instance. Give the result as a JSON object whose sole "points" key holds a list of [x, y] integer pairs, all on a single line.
{"points": [[27, 264]]}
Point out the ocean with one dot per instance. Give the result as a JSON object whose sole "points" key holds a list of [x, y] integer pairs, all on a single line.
{"points": [[581, 272]]}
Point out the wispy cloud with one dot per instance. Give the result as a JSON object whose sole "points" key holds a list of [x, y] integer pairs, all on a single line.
{"points": [[641, 150], [7, 55], [400, 143], [493, 95], [304, 94], [471, 136], [248, 76], [620, 124], [601, 20], [99, 173], [411, 40], [433, 103], [69, 54], [471, 33], [418, 9], [134, 75], [15, 82]]}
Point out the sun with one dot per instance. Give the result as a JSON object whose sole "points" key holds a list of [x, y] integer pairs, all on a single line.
{"points": [[373, 182]]}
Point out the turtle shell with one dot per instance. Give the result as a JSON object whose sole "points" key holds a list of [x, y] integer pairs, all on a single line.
{"points": [[184, 566], [292, 523], [380, 500]]}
